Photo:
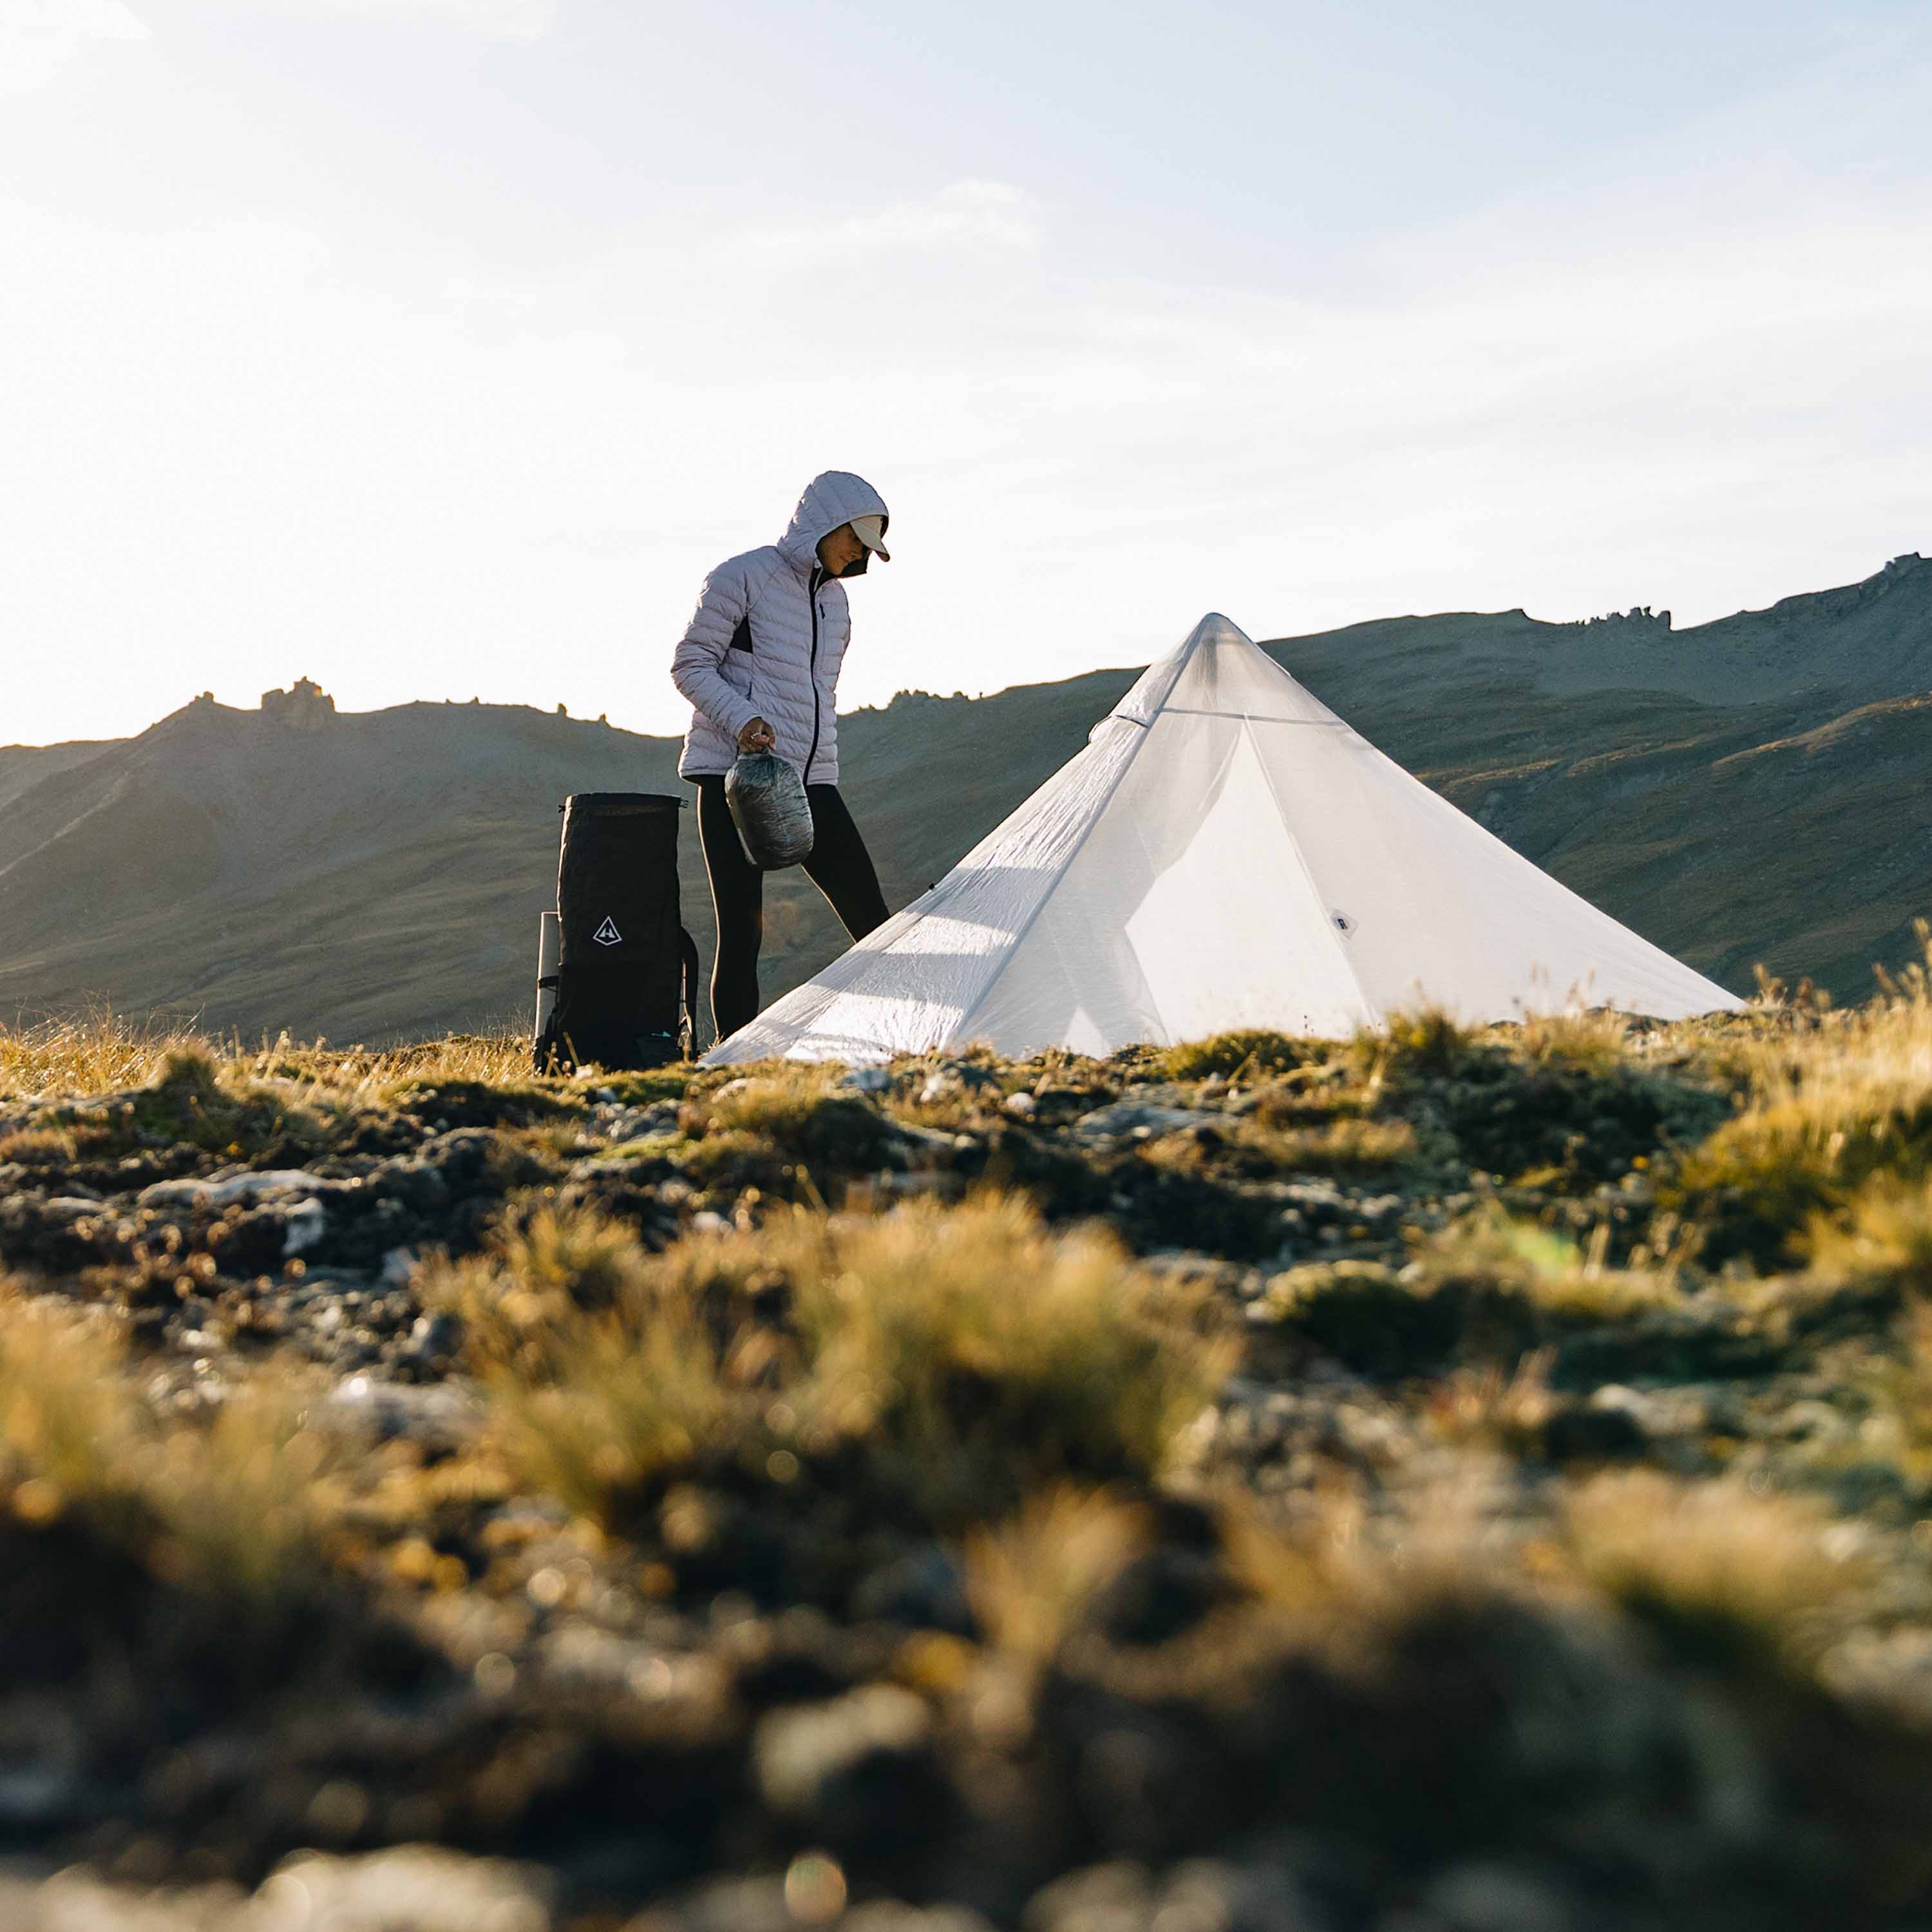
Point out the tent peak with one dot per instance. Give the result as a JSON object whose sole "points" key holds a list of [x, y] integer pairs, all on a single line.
{"points": [[1215, 629]]}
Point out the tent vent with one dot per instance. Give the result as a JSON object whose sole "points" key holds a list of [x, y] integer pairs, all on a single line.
{"points": [[1343, 923]]}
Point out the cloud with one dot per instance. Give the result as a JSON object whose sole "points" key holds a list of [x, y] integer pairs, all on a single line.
{"points": [[477, 471], [40, 39]]}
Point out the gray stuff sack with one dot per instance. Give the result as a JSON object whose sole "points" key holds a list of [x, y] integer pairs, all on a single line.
{"points": [[770, 809]]}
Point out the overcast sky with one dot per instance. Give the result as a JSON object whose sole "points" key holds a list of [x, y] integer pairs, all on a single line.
{"points": [[438, 348]]}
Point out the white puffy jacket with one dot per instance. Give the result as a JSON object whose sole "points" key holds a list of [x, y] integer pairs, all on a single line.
{"points": [[767, 640]]}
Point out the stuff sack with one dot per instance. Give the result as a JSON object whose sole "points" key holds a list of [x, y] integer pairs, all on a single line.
{"points": [[627, 970], [770, 809]]}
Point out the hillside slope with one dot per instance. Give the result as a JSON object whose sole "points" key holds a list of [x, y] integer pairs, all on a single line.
{"points": [[22, 767], [1746, 791]]}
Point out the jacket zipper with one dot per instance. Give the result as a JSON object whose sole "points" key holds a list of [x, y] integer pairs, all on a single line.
{"points": [[811, 597]]}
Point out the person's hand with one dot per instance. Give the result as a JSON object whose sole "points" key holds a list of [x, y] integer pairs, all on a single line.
{"points": [[757, 737]]}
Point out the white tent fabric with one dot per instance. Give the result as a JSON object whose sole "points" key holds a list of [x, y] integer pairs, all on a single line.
{"points": [[1225, 852]]}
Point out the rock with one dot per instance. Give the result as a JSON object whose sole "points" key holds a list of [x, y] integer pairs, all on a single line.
{"points": [[1134, 1119], [419, 1887], [1114, 1898], [867, 1080], [437, 1417], [66, 1209], [926, 1150], [303, 1226], [435, 1341], [854, 1772], [231, 1188]]}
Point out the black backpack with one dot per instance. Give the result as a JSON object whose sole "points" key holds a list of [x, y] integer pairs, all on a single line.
{"points": [[627, 970]]}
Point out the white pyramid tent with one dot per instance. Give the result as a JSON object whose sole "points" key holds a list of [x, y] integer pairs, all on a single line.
{"points": [[1225, 852]]}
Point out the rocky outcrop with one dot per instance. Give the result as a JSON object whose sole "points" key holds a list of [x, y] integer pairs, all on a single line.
{"points": [[304, 707]]}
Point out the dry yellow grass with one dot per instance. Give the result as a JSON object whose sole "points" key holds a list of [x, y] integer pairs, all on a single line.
{"points": [[233, 1508], [1727, 1574], [1029, 1577], [107, 1050], [965, 1353], [93, 1055], [1831, 1103]]}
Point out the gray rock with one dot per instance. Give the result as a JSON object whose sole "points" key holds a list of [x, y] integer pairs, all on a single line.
{"points": [[848, 1770], [1114, 1897], [437, 1416], [226, 1189], [302, 1227], [1133, 1120]]}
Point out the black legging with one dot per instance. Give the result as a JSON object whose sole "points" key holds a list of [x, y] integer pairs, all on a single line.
{"points": [[839, 866]]}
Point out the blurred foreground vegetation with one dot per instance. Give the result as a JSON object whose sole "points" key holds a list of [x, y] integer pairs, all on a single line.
{"points": [[1400, 1482]]}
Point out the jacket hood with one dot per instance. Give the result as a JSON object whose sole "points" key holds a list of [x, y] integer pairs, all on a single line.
{"points": [[834, 498]]}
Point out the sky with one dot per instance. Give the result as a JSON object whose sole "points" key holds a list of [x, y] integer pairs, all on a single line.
{"points": [[438, 348]]}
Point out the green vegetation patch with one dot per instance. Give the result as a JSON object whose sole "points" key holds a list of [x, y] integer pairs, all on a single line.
{"points": [[1493, 1289], [476, 1103], [1244, 1054], [1573, 1119], [195, 1102], [1830, 1109]]}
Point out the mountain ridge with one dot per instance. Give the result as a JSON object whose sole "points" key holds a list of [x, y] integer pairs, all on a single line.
{"points": [[1741, 790]]}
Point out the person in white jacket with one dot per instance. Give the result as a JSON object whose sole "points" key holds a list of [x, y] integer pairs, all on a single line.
{"points": [[759, 662]]}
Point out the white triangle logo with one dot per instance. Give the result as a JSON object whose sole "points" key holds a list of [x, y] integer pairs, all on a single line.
{"points": [[607, 935]]}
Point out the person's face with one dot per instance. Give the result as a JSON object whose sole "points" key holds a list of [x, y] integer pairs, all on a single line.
{"points": [[841, 553]]}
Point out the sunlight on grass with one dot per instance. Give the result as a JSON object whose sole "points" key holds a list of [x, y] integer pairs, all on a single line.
{"points": [[964, 1355], [106, 1051], [230, 1508], [1830, 1105], [1727, 1575]]}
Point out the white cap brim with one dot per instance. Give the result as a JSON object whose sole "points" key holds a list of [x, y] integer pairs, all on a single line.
{"points": [[871, 532]]}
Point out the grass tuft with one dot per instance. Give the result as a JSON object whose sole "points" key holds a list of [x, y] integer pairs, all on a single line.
{"points": [[1244, 1054], [958, 1356], [1727, 1577]]}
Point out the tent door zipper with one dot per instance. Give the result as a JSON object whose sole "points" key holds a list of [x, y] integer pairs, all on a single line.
{"points": [[817, 582]]}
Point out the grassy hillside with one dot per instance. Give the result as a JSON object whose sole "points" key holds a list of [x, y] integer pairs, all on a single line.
{"points": [[22, 766], [1432, 1480], [380, 877]]}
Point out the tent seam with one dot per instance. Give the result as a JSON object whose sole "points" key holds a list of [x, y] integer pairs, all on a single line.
{"points": [[1079, 845]]}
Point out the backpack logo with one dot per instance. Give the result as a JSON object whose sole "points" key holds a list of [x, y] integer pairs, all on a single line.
{"points": [[607, 935]]}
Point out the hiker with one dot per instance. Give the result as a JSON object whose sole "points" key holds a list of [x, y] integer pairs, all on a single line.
{"points": [[760, 664]]}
